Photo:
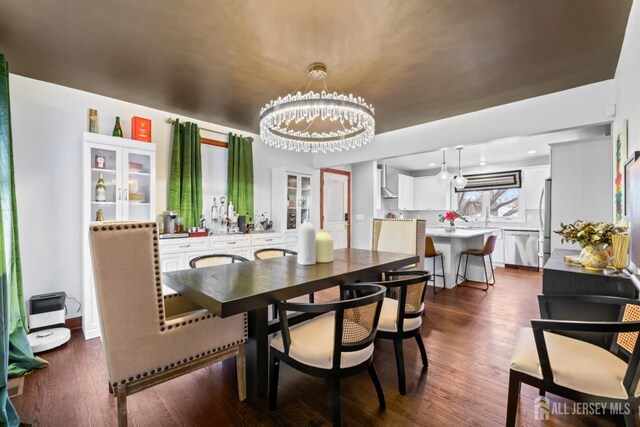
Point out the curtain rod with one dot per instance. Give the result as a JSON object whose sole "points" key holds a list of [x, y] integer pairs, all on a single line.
{"points": [[170, 120]]}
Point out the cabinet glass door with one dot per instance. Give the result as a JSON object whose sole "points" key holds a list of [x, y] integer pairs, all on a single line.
{"points": [[292, 202], [103, 162], [137, 186], [305, 198]]}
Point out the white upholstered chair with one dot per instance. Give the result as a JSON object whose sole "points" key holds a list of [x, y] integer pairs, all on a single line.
{"points": [[149, 338], [576, 369], [404, 236]]}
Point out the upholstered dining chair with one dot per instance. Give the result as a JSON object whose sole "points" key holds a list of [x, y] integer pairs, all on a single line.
{"points": [[400, 318], [404, 236], [576, 369], [338, 343], [485, 251], [215, 259], [149, 338]]}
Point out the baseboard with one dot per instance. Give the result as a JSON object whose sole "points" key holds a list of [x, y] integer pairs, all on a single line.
{"points": [[522, 267], [73, 323]]}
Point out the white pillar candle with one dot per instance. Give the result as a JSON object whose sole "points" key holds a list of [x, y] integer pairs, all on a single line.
{"points": [[306, 244], [324, 247]]}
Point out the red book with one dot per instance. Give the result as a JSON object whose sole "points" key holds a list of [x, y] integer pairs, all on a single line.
{"points": [[140, 129]]}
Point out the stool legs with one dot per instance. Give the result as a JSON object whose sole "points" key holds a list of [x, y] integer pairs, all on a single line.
{"points": [[488, 282], [434, 275]]}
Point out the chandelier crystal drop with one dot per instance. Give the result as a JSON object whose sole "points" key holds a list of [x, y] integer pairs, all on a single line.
{"points": [[444, 177], [460, 181], [317, 122]]}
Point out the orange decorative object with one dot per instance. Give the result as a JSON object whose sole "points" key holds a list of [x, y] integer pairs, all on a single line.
{"points": [[140, 129]]}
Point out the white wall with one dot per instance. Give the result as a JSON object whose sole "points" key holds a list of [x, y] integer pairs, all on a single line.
{"points": [[363, 184], [581, 186], [47, 123], [627, 80], [581, 106]]}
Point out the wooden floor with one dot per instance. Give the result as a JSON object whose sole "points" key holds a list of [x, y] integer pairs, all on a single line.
{"points": [[468, 336]]}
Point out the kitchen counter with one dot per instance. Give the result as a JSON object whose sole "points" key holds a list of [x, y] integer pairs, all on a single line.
{"points": [[464, 233], [452, 245]]}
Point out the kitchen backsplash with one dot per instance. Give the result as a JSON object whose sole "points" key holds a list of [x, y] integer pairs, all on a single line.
{"points": [[532, 218]]}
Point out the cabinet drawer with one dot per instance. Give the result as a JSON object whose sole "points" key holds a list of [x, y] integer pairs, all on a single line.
{"points": [[184, 245], [272, 240], [236, 241]]}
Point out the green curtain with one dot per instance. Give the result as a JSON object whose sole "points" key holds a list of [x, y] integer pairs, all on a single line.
{"points": [[240, 174], [15, 353], [185, 177]]}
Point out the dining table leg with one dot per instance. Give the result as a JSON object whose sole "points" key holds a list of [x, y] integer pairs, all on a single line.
{"points": [[257, 351]]}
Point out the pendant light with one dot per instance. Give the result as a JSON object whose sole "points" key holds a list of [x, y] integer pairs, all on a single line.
{"points": [[444, 177], [460, 182]]}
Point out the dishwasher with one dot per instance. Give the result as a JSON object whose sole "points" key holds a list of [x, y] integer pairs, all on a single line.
{"points": [[521, 249]]}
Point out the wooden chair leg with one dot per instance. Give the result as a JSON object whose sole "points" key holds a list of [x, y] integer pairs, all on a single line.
{"points": [[423, 351], [335, 401], [629, 419], [397, 345], [376, 383], [512, 401], [273, 382], [241, 372], [121, 403]]}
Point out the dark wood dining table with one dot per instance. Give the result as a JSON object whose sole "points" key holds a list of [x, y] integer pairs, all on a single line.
{"points": [[230, 289]]}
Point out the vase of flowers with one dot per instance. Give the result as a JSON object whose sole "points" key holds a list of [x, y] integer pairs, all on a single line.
{"points": [[449, 218], [593, 237]]}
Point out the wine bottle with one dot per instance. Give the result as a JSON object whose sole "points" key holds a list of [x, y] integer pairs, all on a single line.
{"points": [[99, 215], [101, 190], [117, 129]]}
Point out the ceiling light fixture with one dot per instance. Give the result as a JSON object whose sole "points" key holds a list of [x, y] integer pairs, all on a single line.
{"points": [[531, 152], [431, 164], [444, 177], [317, 122], [460, 182], [482, 163]]}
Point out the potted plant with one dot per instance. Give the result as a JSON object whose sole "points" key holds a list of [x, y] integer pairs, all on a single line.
{"points": [[593, 238], [451, 217]]}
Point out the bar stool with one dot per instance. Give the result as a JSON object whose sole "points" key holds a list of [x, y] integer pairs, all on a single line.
{"points": [[430, 252], [487, 250]]}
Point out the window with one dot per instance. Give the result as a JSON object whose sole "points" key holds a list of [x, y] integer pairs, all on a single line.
{"points": [[470, 204], [504, 203], [501, 204]]}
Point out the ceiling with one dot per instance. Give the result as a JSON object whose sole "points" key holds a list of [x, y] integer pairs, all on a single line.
{"points": [[506, 150], [220, 61]]}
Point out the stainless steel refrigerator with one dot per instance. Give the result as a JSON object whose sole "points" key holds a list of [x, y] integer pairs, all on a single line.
{"points": [[545, 220]]}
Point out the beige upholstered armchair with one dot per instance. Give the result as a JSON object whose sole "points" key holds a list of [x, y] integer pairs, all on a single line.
{"points": [[149, 338], [404, 236]]}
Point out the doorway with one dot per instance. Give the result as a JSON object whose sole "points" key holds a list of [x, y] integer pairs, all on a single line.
{"points": [[335, 206]]}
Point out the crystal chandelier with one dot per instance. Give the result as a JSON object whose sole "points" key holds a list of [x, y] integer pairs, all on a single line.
{"points": [[444, 177], [317, 122], [460, 181]]}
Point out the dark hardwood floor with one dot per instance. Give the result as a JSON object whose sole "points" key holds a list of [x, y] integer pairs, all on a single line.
{"points": [[468, 335]]}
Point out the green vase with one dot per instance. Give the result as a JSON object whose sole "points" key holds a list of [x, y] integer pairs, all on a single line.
{"points": [[594, 257]]}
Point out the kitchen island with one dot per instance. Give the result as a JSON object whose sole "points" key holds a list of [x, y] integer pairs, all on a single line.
{"points": [[451, 244]]}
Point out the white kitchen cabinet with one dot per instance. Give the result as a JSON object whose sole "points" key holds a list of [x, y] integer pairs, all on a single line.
{"points": [[533, 183], [498, 253], [128, 169], [405, 192], [291, 198], [430, 195]]}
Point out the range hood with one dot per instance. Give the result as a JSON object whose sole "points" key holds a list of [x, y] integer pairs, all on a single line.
{"points": [[386, 192]]}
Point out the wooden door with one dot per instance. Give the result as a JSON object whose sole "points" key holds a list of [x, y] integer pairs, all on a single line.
{"points": [[335, 206]]}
